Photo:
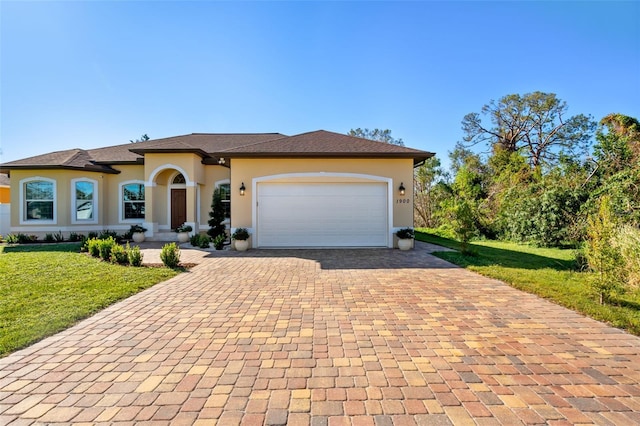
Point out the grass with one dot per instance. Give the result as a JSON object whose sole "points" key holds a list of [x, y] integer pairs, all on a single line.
{"points": [[546, 272], [47, 288]]}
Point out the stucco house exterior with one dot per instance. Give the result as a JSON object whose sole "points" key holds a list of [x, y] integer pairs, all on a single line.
{"points": [[316, 189]]}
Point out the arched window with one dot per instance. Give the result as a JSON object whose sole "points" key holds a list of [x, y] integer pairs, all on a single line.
{"points": [[179, 179]]}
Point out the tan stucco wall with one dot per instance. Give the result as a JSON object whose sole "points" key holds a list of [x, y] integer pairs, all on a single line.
{"points": [[246, 170], [159, 169], [63, 217]]}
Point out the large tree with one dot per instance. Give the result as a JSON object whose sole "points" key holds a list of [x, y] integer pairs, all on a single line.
{"points": [[534, 124], [376, 135]]}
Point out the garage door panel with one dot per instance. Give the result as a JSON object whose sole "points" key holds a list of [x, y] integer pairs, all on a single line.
{"points": [[322, 215]]}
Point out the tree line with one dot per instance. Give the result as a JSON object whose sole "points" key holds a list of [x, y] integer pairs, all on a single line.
{"points": [[526, 172]]}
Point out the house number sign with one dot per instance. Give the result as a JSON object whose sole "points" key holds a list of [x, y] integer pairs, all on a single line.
{"points": [[402, 201]]}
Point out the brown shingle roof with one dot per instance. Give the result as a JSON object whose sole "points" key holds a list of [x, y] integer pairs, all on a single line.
{"points": [[320, 143], [77, 159]]}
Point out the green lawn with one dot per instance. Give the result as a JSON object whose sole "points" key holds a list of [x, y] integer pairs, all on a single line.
{"points": [[549, 273], [47, 288]]}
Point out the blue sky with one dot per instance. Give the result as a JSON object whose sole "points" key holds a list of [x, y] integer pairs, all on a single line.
{"points": [[86, 74]]}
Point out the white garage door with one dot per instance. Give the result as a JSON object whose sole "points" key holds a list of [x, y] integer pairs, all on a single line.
{"points": [[322, 215]]}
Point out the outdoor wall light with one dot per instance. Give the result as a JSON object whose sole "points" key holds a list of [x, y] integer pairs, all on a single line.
{"points": [[402, 188], [242, 189], [221, 160]]}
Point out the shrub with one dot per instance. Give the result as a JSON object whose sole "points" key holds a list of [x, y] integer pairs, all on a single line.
{"points": [[73, 237], [59, 237], [92, 246], [405, 234], [106, 234], [218, 242], [464, 224], [48, 238], [105, 246], [627, 241], [92, 234], [12, 239], [135, 255], [119, 255], [170, 255], [241, 234], [184, 228], [137, 228], [603, 257], [200, 240]]}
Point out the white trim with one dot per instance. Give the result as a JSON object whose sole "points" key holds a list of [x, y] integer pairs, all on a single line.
{"points": [[121, 218], [365, 177], [151, 182], [74, 219], [21, 185]]}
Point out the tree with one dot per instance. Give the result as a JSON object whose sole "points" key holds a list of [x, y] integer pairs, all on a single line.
{"points": [[376, 135], [216, 216], [140, 139], [533, 124], [429, 189], [617, 143]]}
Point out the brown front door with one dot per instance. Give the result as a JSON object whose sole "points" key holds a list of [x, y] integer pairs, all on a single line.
{"points": [[178, 207]]}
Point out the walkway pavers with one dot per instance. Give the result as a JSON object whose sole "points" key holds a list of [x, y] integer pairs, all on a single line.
{"points": [[333, 337]]}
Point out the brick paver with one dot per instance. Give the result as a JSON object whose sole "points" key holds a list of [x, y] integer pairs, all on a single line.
{"points": [[327, 337]]}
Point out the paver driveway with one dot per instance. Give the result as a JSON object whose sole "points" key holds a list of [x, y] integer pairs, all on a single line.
{"points": [[333, 337]]}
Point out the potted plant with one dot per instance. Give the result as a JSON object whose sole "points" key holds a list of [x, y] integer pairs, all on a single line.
{"points": [[241, 237], [405, 238], [137, 233], [183, 232]]}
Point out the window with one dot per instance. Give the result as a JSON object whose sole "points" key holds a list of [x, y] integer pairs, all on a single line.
{"points": [[84, 208], [225, 192], [39, 200], [179, 179], [133, 201]]}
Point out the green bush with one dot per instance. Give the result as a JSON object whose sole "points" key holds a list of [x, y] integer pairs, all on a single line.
{"points": [[105, 246], [73, 237], [627, 241], [12, 239], [135, 255], [105, 234], [59, 237], [92, 246], [218, 242], [170, 255], [200, 240], [48, 238], [603, 257], [119, 255]]}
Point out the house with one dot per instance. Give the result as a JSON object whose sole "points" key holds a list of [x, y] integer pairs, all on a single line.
{"points": [[316, 189], [4, 204]]}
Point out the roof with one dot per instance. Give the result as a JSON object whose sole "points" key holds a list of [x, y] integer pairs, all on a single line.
{"points": [[211, 146], [4, 180]]}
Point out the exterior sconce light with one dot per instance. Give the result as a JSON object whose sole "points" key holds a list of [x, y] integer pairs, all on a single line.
{"points": [[221, 160], [242, 189], [401, 189]]}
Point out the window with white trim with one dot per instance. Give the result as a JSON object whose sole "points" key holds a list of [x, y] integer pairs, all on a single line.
{"points": [[225, 193], [39, 200], [133, 201], [84, 208]]}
